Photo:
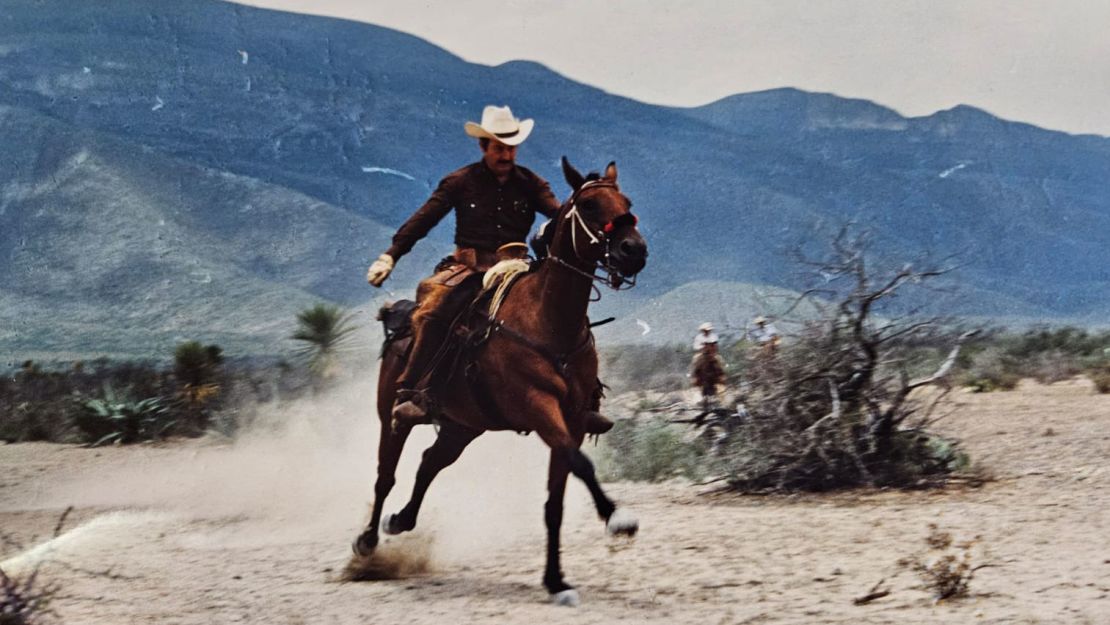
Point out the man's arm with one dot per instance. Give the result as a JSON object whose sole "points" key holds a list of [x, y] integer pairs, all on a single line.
{"points": [[415, 228], [546, 202], [423, 220]]}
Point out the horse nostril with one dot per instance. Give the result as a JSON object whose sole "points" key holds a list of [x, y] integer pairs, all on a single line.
{"points": [[632, 248]]}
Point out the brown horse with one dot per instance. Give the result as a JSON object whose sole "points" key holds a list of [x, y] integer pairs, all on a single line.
{"points": [[537, 369]]}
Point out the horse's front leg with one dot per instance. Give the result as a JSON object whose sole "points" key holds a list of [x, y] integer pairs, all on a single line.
{"points": [[390, 446], [448, 446], [618, 522], [566, 458], [561, 592]]}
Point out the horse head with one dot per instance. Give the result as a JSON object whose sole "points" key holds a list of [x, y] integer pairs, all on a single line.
{"points": [[597, 228]]}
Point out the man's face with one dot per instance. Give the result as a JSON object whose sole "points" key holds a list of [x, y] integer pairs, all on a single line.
{"points": [[499, 157]]}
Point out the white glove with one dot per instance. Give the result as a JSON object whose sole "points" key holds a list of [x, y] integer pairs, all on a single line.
{"points": [[380, 270]]}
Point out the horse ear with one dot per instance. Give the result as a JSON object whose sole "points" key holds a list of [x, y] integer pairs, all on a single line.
{"points": [[574, 179], [611, 171]]}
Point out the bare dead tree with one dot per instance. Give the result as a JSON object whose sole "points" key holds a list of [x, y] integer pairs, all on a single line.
{"points": [[833, 407]]}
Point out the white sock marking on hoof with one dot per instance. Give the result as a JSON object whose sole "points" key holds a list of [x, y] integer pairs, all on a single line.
{"points": [[390, 527], [568, 598], [622, 523]]}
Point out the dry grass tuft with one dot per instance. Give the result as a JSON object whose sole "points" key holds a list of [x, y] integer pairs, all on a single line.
{"points": [[23, 601], [948, 569]]}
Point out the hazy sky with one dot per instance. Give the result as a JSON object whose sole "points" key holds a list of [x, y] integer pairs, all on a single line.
{"points": [[1043, 62]]}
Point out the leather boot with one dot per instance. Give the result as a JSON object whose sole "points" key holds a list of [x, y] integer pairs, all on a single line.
{"points": [[597, 423], [409, 408]]}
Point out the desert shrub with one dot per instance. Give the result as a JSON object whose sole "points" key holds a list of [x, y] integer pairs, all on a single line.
{"points": [[1068, 340], [45, 404], [1101, 378], [1054, 366], [648, 450], [999, 360], [990, 369], [36, 405], [48, 420]]}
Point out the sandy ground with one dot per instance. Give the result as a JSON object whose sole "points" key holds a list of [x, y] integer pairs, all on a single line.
{"points": [[257, 531]]}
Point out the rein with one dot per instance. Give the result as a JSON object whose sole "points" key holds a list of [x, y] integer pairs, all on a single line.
{"points": [[561, 361]]}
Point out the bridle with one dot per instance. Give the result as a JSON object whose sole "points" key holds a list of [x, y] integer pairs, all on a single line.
{"points": [[601, 236]]}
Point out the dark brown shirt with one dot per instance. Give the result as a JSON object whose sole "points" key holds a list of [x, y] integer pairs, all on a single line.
{"points": [[488, 214]]}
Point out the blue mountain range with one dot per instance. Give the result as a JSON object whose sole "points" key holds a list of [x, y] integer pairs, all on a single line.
{"points": [[146, 141]]}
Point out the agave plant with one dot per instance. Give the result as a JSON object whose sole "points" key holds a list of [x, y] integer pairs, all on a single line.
{"points": [[115, 418]]}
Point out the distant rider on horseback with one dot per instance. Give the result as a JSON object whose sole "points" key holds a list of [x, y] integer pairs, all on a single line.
{"points": [[495, 202], [708, 368]]}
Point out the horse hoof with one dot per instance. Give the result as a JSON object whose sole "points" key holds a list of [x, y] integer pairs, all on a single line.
{"points": [[365, 544], [392, 525], [568, 598], [622, 523]]}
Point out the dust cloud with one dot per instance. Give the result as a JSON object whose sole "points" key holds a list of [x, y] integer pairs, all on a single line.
{"points": [[304, 471]]}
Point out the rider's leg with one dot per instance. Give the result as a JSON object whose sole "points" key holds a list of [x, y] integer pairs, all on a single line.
{"points": [[430, 324]]}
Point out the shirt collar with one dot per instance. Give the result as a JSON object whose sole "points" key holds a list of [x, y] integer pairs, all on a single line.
{"points": [[515, 174]]}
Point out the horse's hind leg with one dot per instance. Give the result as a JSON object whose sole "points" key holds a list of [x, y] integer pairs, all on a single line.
{"points": [[446, 449], [390, 446], [391, 442]]}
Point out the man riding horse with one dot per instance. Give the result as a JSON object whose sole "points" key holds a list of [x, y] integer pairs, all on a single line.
{"points": [[708, 368], [495, 202]]}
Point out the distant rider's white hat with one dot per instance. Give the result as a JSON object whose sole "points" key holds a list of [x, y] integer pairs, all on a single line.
{"points": [[706, 327], [499, 124]]}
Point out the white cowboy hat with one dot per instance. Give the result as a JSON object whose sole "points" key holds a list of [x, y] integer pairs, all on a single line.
{"points": [[760, 319], [499, 124], [706, 327]]}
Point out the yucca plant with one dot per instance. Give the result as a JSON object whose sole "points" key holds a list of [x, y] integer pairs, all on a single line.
{"points": [[324, 330], [115, 418], [195, 364], [196, 368]]}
